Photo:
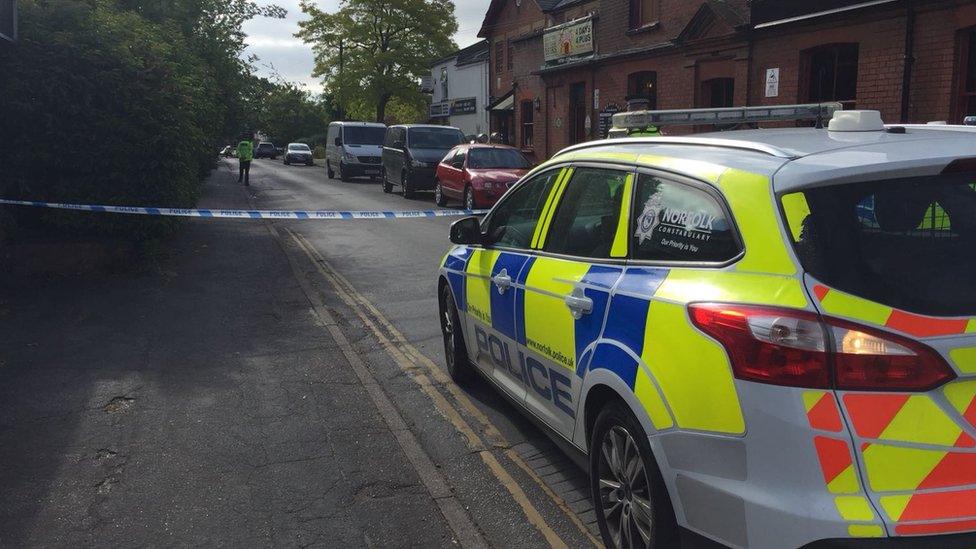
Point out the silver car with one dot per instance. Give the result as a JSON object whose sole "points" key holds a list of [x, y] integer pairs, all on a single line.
{"points": [[298, 153]]}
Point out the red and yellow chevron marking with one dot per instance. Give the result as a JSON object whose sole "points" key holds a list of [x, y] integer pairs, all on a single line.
{"points": [[837, 465], [840, 303], [931, 506], [822, 412], [899, 469], [935, 528], [904, 418], [962, 396]]}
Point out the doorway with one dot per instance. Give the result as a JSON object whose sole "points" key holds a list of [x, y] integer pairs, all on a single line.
{"points": [[577, 113]]}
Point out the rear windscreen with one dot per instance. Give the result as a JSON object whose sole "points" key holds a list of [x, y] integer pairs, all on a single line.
{"points": [[909, 244]]}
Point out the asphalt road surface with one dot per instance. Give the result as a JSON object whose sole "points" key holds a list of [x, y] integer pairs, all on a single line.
{"points": [[266, 384]]}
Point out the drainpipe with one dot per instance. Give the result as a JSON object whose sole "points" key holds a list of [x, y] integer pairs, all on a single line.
{"points": [[906, 80]]}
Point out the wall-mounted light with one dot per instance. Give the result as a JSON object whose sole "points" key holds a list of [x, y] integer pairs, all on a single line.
{"points": [[538, 104]]}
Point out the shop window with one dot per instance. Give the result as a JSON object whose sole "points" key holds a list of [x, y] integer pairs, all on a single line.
{"points": [[966, 71], [642, 13], [499, 56], [833, 73], [527, 112], [445, 90], [717, 93], [643, 85]]}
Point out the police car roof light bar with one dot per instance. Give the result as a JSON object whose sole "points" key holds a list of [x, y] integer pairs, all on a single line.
{"points": [[637, 120]]}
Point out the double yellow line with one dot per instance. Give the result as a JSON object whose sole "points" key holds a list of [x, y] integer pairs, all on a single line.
{"points": [[426, 374]]}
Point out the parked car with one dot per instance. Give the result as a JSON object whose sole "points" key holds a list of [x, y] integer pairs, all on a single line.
{"points": [[298, 153], [411, 154], [478, 175], [354, 149], [765, 337], [266, 150]]}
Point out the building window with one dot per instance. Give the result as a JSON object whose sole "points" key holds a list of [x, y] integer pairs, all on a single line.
{"points": [[642, 12], [499, 56], [445, 92], [527, 112], [642, 88], [717, 93], [511, 56], [833, 73], [966, 71]]}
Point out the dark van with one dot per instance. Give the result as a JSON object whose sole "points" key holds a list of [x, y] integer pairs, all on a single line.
{"points": [[411, 154]]}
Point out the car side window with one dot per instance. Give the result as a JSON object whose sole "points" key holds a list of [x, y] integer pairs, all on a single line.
{"points": [[512, 222], [678, 222], [458, 160], [588, 214]]}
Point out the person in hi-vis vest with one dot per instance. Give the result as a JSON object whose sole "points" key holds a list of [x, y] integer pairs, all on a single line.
{"points": [[245, 154]]}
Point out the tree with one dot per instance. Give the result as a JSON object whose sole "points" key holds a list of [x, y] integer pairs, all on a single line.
{"points": [[120, 102], [288, 112], [372, 51]]}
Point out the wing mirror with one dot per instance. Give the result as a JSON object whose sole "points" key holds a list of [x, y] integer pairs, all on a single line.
{"points": [[467, 232], [338, 141]]}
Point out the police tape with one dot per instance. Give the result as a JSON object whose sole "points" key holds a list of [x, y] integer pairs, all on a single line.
{"points": [[247, 214]]}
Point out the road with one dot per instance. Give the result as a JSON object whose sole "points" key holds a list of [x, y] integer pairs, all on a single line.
{"points": [[266, 384]]}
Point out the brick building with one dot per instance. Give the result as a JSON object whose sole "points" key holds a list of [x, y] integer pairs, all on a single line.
{"points": [[560, 68]]}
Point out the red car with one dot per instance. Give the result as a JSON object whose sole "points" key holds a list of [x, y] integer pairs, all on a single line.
{"points": [[478, 175]]}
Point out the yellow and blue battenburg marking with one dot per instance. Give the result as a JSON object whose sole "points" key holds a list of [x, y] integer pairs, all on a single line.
{"points": [[455, 264], [623, 336]]}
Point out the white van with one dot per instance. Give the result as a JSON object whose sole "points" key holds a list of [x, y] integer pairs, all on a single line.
{"points": [[354, 149]]}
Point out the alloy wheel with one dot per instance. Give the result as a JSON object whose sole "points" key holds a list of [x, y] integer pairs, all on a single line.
{"points": [[625, 493]]}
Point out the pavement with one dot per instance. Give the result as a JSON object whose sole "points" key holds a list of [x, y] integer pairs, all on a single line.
{"points": [[266, 384]]}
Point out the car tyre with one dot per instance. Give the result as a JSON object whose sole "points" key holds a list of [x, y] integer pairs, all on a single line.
{"points": [[455, 352], [342, 173], [286, 161], [328, 170], [405, 186], [469, 201], [632, 505], [439, 197]]}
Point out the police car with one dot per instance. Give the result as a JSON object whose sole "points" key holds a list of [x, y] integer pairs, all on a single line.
{"points": [[765, 337]]}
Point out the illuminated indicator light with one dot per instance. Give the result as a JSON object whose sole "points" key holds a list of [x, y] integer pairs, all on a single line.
{"points": [[790, 347]]}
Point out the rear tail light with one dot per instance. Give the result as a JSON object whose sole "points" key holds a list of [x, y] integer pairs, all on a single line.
{"points": [[801, 349]]}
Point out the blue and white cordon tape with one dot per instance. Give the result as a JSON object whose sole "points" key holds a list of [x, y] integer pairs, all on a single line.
{"points": [[247, 214]]}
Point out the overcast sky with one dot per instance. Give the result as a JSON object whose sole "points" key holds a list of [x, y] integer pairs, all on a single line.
{"points": [[274, 42]]}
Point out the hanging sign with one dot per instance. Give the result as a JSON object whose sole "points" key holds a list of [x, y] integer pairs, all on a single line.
{"points": [[569, 39]]}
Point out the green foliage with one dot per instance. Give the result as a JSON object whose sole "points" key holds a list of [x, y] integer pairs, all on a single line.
{"points": [[119, 102], [286, 113], [386, 47]]}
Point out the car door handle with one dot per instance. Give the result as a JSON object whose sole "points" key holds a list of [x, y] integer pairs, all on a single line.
{"points": [[503, 281], [578, 303]]}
